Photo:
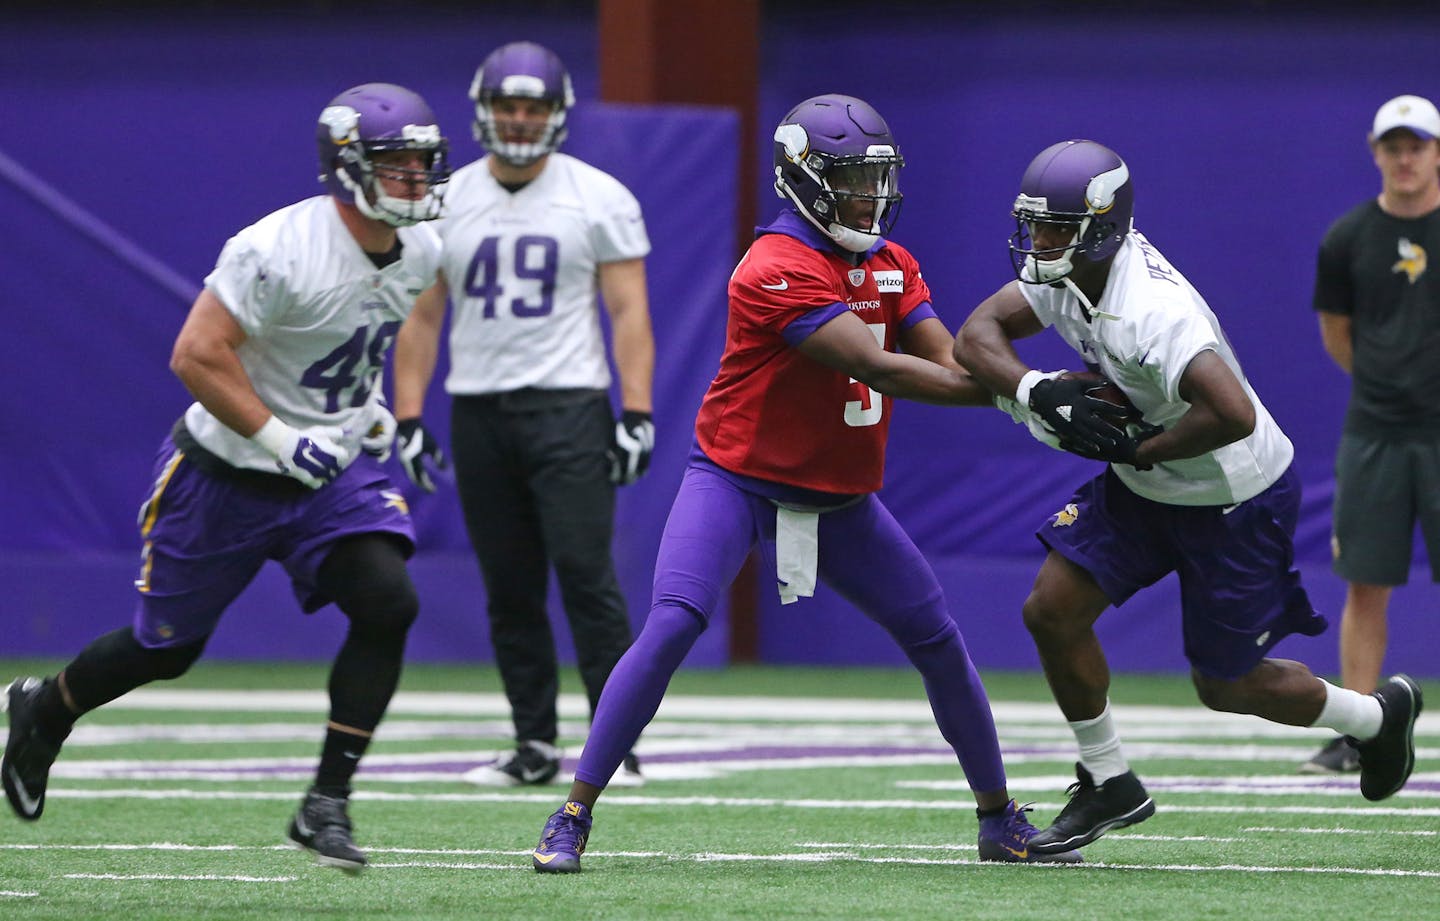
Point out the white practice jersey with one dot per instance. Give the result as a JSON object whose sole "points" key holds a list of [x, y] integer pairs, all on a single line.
{"points": [[319, 319], [1147, 327], [522, 271]]}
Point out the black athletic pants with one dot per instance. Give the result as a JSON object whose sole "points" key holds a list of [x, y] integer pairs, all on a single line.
{"points": [[535, 490]]}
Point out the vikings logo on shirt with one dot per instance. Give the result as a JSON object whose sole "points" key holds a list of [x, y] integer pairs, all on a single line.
{"points": [[1412, 260], [1067, 516]]}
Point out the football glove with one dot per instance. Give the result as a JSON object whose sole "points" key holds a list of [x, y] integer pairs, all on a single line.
{"points": [[631, 445], [1082, 422], [381, 434], [315, 456], [419, 452]]}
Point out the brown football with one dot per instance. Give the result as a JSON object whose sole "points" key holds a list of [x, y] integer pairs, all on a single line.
{"points": [[1107, 392]]}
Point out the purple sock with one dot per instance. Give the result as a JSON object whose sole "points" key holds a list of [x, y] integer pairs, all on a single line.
{"points": [[633, 692]]}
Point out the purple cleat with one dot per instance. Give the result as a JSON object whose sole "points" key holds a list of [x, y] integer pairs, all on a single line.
{"points": [[563, 840], [1006, 838]]}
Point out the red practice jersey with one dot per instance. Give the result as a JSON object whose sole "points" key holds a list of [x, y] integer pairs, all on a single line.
{"points": [[774, 413]]}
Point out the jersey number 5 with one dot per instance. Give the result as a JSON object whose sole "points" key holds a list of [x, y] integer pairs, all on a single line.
{"points": [[535, 259], [857, 414]]}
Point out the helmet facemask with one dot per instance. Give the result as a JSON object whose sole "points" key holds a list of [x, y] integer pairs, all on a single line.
{"points": [[1096, 232], [360, 179], [854, 199], [521, 70]]}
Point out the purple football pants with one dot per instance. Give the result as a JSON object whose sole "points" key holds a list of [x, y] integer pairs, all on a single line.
{"points": [[864, 556]]}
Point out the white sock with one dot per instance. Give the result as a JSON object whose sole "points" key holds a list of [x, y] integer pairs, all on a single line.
{"points": [[1100, 746], [1350, 712]]}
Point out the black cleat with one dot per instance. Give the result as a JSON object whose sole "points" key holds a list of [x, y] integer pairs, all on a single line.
{"points": [[1337, 757], [1387, 760], [1092, 811], [28, 753], [322, 827], [532, 763]]}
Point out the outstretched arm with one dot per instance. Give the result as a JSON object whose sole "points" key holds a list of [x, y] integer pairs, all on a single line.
{"points": [[847, 344]]}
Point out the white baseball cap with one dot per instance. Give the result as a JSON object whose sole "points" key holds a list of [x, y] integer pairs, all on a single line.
{"points": [[1413, 113]]}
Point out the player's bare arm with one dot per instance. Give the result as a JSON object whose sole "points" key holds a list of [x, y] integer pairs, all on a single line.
{"points": [[205, 360], [622, 286], [930, 340], [1336, 335], [1220, 413], [417, 347], [983, 345], [846, 344]]}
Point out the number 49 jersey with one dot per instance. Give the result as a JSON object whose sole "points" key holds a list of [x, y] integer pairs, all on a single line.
{"points": [[319, 318], [522, 272], [776, 414]]}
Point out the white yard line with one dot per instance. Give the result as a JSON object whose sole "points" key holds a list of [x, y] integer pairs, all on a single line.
{"points": [[626, 798], [683, 706]]}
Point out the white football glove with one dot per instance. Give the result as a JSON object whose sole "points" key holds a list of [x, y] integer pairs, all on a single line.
{"points": [[419, 453], [381, 433], [315, 456], [631, 445]]}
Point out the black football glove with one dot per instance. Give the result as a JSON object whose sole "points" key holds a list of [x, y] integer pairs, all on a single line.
{"points": [[631, 445], [417, 447], [1086, 425]]}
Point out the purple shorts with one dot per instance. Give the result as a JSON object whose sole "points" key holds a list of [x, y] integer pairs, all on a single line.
{"points": [[1239, 591], [206, 537]]}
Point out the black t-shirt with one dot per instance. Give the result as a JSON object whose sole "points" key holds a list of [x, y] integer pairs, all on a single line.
{"points": [[1373, 268]]}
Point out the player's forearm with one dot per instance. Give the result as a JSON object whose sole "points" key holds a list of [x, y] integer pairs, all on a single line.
{"points": [[983, 349], [911, 378], [417, 349], [215, 377], [635, 360]]}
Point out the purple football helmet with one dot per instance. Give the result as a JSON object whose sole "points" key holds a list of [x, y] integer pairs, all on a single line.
{"points": [[529, 71], [833, 149], [1079, 184], [373, 118]]}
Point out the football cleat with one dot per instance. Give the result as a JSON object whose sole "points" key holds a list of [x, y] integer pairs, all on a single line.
{"points": [[1006, 838], [1093, 810], [1337, 757], [1387, 760], [322, 827], [533, 763], [563, 840], [29, 753]]}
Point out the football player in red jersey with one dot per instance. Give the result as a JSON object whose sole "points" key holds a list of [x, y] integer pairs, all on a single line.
{"points": [[790, 449]]}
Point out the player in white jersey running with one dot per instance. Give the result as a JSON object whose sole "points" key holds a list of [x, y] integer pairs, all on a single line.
{"points": [[1199, 483], [531, 236], [278, 458]]}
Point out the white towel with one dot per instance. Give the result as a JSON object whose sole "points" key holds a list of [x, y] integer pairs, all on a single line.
{"points": [[797, 551]]}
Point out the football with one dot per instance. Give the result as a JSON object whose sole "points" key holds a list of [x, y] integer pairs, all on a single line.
{"points": [[1104, 390]]}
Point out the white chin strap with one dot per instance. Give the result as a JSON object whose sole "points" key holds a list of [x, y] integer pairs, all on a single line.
{"points": [[1049, 271], [397, 212], [856, 241]]}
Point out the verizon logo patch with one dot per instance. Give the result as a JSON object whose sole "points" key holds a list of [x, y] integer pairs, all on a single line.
{"points": [[889, 280]]}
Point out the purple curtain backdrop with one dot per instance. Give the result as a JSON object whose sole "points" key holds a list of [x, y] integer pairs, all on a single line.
{"points": [[1244, 132]]}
